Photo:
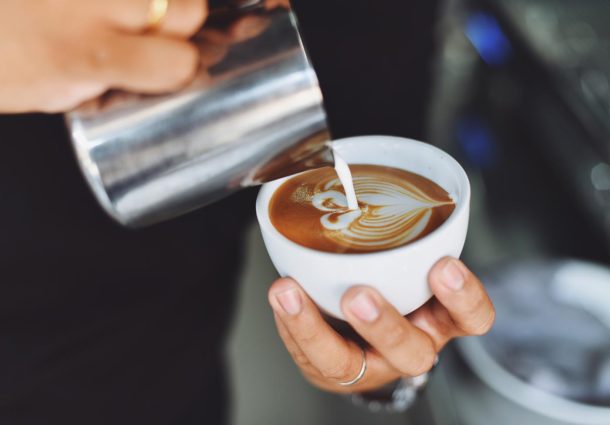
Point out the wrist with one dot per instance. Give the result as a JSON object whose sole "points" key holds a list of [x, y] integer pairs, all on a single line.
{"points": [[396, 397]]}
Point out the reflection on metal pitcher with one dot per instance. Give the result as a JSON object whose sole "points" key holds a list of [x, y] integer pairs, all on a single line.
{"points": [[254, 113]]}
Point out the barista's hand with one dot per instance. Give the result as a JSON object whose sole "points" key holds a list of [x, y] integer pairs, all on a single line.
{"points": [[399, 347], [57, 53]]}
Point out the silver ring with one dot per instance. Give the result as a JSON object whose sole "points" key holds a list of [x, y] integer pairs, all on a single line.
{"points": [[360, 374]]}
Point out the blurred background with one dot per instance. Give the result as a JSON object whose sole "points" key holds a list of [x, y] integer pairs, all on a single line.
{"points": [[521, 97]]}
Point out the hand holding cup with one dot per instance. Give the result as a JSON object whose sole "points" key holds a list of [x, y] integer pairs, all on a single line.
{"points": [[374, 291], [397, 346]]}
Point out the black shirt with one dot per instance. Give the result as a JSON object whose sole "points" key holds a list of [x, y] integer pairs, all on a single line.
{"points": [[99, 324]]}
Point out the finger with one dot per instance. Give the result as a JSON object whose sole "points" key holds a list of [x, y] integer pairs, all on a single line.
{"points": [[243, 29], [183, 19], [272, 4], [144, 64], [212, 54], [378, 374], [435, 320], [335, 359], [463, 296], [214, 44], [375, 364], [248, 27], [211, 50], [407, 348], [298, 356]]}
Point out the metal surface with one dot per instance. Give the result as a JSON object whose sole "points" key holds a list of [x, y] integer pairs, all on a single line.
{"points": [[548, 354], [256, 114]]}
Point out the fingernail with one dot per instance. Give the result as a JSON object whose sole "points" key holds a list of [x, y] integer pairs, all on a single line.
{"points": [[290, 301], [364, 308], [453, 278]]}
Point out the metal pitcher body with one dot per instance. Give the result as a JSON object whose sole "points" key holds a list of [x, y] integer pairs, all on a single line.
{"points": [[255, 116]]}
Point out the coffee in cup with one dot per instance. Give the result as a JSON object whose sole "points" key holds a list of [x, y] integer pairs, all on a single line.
{"points": [[395, 207]]}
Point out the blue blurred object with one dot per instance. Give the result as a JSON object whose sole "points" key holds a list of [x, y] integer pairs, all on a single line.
{"points": [[484, 32], [477, 142]]}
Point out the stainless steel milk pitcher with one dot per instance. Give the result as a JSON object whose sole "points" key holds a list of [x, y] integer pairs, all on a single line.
{"points": [[254, 116]]}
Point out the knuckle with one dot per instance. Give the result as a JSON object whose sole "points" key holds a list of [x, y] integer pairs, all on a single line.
{"points": [[98, 57], [394, 336], [424, 365], [308, 338], [341, 371], [485, 326], [94, 62], [472, 311], [479, 318], [300, 359]]}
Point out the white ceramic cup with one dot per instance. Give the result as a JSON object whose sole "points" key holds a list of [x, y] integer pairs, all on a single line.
{"points": [[399, 274]]}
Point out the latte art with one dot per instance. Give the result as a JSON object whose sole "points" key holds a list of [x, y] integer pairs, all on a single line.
{"points": [[390, 214], [396, 207]]}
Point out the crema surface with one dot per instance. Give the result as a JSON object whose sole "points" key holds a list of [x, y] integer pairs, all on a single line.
{"points": [[397, 207]]}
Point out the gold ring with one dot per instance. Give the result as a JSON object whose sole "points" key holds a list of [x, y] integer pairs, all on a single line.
{"points": [[157, 13]]}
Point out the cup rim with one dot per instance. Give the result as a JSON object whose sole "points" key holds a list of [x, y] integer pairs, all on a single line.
{"points": [[266, 193]]}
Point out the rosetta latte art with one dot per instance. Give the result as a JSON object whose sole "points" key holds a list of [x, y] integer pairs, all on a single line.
{"points": [[396, 208], [390, 215]]}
